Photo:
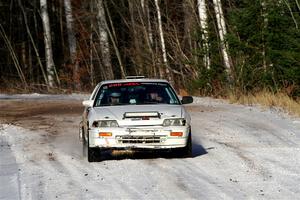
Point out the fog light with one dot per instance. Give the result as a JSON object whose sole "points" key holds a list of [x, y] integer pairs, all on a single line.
{"points": [[105, 134], [178, 134]]}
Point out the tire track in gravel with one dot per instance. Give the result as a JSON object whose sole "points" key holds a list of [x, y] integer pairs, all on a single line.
{"points": [[9, 171]]}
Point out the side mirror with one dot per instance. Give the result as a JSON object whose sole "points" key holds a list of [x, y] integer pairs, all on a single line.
{"points": [[187, 99], [88, 103]]}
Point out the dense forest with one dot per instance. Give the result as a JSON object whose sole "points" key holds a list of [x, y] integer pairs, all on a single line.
{"points": [[208, 47]]}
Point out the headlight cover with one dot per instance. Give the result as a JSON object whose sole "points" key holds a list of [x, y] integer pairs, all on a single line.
{"points": [[105, 123], [174, 122]]}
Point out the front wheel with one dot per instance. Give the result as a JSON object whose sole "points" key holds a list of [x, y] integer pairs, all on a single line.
{"points": [[93, 153], [185, 152]]}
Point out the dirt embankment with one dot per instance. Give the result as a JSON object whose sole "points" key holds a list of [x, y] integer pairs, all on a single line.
{"points": [[39, 114], [18, 109]]}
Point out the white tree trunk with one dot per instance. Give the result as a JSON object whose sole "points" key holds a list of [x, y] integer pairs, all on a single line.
{"points": [[204, 27], [103, 37], [222, 33], [71, 40], [150, 35], [298, 5], [143, 5], [48, 45], [162, 40]]}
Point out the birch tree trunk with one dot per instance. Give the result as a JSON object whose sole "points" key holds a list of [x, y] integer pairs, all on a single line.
{"points": [[201, 4], [150, 35], [222, 33], [162, 41], [143, 5], [47, 41], [103, 37], [72, 42]]}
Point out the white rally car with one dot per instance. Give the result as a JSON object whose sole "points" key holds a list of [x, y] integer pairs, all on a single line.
{"points": [[136, 113]]}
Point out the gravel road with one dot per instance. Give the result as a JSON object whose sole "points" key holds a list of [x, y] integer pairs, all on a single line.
{"points": [[239, 152]]}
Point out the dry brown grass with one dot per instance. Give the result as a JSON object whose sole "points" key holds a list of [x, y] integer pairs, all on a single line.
{"points": [[270, 100]]}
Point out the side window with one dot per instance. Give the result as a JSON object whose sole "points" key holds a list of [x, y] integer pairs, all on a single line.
{"points": [[98, 101], [172, 98], [93, 96], [102, 96]]}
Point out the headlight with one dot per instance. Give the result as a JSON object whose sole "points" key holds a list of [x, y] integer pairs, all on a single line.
{"points": [[174, 122], [105, 123]]}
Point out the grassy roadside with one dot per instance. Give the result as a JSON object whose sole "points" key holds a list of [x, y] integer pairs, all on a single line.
{"points": [[268, 100]]}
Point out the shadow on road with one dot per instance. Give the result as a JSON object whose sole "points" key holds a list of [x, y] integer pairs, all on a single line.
{"points": [[198, 150]]}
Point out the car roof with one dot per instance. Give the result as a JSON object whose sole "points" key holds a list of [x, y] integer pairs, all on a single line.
{"points": [[133, 80]]}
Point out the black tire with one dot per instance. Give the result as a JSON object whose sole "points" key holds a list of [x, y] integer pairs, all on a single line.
{"points": [[85, 141], [185, 152], [83, 137], [93, 154]]}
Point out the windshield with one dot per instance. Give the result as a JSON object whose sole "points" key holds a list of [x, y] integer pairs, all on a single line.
{"points": [[139, 93]]}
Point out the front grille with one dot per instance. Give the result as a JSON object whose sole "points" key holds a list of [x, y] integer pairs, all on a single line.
{"points": [[140, 139]]}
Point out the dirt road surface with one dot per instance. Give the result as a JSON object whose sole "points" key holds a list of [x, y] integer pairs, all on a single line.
{"points": [[238, 153]]}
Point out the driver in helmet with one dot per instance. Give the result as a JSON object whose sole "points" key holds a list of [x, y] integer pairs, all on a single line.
{"points": [[115, 98], [154, 96]]}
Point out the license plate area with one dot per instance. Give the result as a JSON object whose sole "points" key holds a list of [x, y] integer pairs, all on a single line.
{"points": [[139, 137]]}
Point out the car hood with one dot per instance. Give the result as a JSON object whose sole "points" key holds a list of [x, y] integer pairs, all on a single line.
{"points": [[117, 113]]}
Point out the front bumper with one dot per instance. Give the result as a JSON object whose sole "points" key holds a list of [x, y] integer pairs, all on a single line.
{"points": [[139, 137]]}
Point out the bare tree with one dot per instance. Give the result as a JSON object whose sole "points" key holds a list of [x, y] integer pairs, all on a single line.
{"points": [[72, 42], [32, 42], [162, 42], [144, 17], [113, 38], [135, 36], [104, 43], [298, 5], [291, 12], [201, 4], [222, 32], [147, 10], [14, 56], [48, 46]]}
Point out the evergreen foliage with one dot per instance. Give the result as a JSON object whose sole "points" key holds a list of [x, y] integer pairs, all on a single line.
{"points": [[271, 39]]}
